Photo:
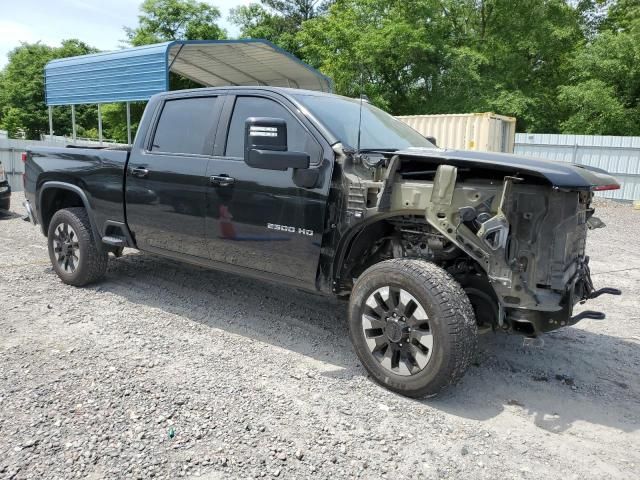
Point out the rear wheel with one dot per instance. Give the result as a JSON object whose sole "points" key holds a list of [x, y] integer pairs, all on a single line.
{"points": [[74, 254], [5, 205], [412, 326]]}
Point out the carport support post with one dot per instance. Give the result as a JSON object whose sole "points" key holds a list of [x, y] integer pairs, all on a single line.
{"points": [[73, 122], [99, 124], [50, 123], [129, 123]]}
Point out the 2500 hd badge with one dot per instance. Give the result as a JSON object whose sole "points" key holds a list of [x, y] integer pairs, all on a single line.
{"points": [[285, 228]]}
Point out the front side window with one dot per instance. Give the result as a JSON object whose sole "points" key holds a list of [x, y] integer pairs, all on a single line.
{"points": [[187, 125], [298, 139]]}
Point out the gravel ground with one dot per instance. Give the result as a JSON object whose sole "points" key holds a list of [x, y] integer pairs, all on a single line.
{"points": [[166, 370]]}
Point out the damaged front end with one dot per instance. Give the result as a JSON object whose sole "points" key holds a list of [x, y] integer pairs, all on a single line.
{"points": [[529, 239], [512, 233]]}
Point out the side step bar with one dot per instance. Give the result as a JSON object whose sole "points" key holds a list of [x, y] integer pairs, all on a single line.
{"points": [[114, 241]]}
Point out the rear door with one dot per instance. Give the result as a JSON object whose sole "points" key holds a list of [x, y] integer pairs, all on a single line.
{"points": [[167, 181], [261, 219]]}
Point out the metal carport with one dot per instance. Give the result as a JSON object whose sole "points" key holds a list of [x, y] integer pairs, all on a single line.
{"points": [[135, 74]]}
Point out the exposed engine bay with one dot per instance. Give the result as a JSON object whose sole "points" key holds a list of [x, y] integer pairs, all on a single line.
{"points": [[514, 241]]}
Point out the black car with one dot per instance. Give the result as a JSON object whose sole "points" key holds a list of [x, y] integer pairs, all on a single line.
{"points": [[5, 190]]}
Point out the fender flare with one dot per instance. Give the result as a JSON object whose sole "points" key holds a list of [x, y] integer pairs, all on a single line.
{"points": [[350, 235], [83, 196]]}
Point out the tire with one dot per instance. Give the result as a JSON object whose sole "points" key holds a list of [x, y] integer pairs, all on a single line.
{"points": [[5, 205], [433, 337], [73, 251]]}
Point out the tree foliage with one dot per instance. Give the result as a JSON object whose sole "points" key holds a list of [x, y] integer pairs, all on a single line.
{"points": [[22, 107], [278, 21], [433, 56], [602, 92], [162, 20]]}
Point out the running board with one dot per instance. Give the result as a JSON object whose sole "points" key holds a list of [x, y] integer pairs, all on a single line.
{"points": [[114, 241]]}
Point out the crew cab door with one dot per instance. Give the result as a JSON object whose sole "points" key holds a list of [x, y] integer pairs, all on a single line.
{"points": [[262, 219], [167, 183]]}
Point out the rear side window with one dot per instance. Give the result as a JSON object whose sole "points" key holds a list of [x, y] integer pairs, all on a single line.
{"points": [[187, 125], [298, 139]]}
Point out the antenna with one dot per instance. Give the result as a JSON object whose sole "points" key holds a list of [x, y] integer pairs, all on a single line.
{"points": [[360, 119]]}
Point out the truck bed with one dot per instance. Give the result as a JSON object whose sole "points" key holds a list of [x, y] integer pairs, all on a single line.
{"points": [[98, 172]]}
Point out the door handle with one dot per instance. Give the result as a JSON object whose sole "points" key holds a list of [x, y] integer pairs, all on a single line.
{"points": [[139, 172], [221, 180]]}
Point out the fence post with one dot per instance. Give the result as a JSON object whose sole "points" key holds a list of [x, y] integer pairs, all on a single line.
{"points": [[99, 124], [73, 122], [574, 154], [129, 121], [50, 121]]}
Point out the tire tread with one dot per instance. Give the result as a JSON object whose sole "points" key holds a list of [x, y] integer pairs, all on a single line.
{"points": [[96, 259], [457, 315]]}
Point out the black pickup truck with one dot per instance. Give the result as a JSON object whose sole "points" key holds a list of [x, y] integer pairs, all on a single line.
{"points": [[333, 195]]}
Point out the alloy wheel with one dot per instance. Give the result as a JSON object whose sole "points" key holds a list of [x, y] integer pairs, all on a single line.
{"points": [[396, 329], [66, 247]]}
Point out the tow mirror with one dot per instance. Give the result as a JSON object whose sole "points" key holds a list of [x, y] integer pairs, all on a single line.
{"points": [[265, 145]]}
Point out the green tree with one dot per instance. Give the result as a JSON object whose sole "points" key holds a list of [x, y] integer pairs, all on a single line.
{"points": [[449, 56], [22, 106], [277, 20], [162, 20], [602, 92]]}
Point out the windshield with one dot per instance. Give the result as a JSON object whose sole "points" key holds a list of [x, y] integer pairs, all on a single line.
{"points": [[340, 115]]}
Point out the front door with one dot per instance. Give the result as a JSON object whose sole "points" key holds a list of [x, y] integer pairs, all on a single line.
{"points": [[167, 181], [260, 219]]}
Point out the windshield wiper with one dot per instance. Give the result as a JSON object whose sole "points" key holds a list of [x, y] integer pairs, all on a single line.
{"points": [[369, 150]]}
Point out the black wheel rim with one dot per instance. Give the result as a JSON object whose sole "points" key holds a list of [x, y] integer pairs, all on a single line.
{"points": [[397, 331], [66, 248]]}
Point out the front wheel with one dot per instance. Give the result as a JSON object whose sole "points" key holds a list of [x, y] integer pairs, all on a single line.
{"points": [[412, 326], [73, 251]]}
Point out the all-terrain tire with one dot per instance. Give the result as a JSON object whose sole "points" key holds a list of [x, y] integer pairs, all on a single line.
{"points": [[451, 324], [92, 259]]}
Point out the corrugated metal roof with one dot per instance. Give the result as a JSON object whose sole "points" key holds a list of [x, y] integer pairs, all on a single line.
{"points": [[138, 73]]}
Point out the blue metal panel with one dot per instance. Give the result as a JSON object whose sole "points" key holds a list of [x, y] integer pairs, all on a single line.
{"points": [[120, 76]]}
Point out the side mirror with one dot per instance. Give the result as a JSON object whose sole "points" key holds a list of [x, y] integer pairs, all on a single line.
{"points": [[432, 140], [265, 145]]}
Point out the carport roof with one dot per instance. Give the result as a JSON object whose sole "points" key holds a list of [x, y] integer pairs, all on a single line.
{"points": [[138, 73]]}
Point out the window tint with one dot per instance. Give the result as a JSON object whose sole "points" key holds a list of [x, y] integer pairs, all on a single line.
{"points": [[187, 125], [298, 139]]}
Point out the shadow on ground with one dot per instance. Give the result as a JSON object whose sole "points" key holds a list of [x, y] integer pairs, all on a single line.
{"points": [[577, 376], [8, 215]]}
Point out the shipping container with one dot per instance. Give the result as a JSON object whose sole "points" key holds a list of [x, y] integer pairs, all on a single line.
{"points": [[485, 132]]}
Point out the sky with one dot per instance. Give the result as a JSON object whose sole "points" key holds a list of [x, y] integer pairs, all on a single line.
{"points": [[96, 22]]}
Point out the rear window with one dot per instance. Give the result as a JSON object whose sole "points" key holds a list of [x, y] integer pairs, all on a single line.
{"points": [[187, 125]]}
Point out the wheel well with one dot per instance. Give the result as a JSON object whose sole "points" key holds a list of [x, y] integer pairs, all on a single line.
{"points": [[359, 247], [411, 237], [54, 199]]}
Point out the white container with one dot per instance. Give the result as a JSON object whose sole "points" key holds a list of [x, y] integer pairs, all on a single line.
{"points": [[485, 132]]}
